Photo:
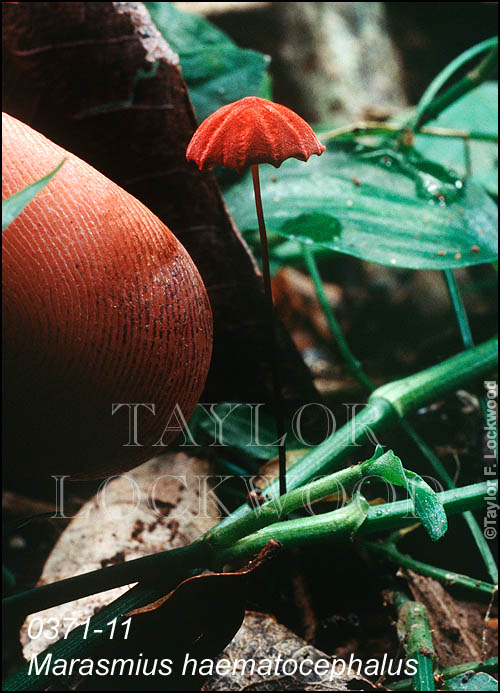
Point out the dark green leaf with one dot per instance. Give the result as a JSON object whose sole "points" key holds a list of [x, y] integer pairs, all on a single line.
{"points": [[14, 204], [216, 70], [472, 682], [376, 205], [238, 432], [248, 431], [477, 111]]}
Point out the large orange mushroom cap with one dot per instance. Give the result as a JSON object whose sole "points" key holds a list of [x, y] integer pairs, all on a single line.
{"points": [[252, 131]]}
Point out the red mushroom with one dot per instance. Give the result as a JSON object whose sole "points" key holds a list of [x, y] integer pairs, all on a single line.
{"points": [[250, 132]]}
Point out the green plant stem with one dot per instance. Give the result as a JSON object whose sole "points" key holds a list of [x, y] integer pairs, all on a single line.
{"points": [[200, 554], [272, 327], [388, 550], [468, 342], [345, 522], [373, 128], [440, 80], [459, 308], [475, 529], [195, 555], [344, 482], [328, 456], [424, 678], [415, 633], [463, 321], [98, 633], [354, 366], [489, 665], [356, 369], [396, 515], [276, 508], [21, 604], [430, 109], [409, 394], [114, 576], [384, 408], [337, 525]]}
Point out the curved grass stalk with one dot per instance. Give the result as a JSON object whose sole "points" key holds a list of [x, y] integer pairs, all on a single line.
{"points": [[339, 524], [463, 321], [446, 73], [388, 550], [393, 400], [374, 127], [431, 105], [356, 369], [459, 308]]}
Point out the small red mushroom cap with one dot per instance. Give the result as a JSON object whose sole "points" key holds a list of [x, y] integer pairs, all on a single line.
{"points": [[252, 131]]}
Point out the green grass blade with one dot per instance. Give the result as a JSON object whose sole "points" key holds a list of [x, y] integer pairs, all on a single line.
{"points": [[14, 205]]}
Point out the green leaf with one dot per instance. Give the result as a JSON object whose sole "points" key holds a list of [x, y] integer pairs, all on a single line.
{"points": [[477, 111], [427, 506], [472, 682], [358, 508], [14, 204], [386, 465], [241, 432], [238, 433], [216, 70], [376, 205]]}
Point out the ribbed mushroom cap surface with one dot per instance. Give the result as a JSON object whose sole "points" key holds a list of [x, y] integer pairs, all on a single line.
{"points": [[252, 131]]}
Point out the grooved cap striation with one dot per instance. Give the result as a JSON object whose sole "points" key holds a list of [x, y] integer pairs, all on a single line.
{"points": [[252, 131]]}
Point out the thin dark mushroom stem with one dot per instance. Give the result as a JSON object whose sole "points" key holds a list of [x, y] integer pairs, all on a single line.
{"points": [[273, 350]]}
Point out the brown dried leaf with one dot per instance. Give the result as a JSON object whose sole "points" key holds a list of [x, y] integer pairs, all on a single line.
{"points": [[207, 610], [458, 627], [262, 638], [297, 299], [152, 508]]}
